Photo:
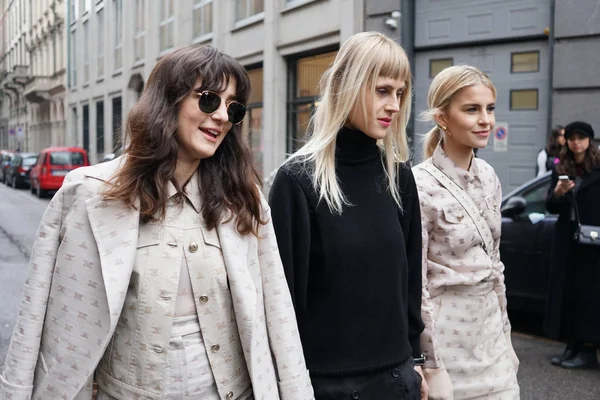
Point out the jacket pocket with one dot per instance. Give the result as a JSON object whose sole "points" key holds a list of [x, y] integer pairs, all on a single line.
{"points": [[211, 238], [454, 214], [150, 235]]}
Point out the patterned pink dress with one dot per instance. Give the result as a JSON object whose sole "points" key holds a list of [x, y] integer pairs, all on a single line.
{"points": [[464, 299]]}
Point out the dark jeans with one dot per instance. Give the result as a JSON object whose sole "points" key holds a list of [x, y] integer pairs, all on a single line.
{"points": [[401, 382]]}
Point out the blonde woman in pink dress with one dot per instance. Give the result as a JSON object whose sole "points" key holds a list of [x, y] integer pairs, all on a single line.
{"points": [[466, 340]]}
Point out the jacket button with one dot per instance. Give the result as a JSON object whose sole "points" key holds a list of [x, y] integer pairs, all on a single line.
{"points": [[395, 373], [355, 394], [215, 347], [157, 349], [193, 247], [203, 299], [229, 395]]}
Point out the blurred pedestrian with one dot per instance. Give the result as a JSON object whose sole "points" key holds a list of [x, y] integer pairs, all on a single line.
{"points": [[346, 215], [548, 157], [466, 341], [157, 273], [573, 296]]}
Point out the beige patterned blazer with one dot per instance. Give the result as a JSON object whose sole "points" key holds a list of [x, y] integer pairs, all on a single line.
{"points": [[76, 284]]}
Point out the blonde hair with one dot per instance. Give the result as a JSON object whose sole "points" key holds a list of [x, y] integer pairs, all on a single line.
{"points": [[447, 84], [360, 61]]}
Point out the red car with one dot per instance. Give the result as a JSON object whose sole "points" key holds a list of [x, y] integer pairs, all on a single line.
{"points": [[52, 165]]}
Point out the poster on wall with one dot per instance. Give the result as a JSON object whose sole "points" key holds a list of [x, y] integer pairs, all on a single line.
{"points": [[500, 133]]}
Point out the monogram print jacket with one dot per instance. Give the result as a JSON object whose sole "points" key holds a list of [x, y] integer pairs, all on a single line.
{"points": [[76, 284]]}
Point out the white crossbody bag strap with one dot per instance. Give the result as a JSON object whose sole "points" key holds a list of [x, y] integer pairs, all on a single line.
{"points": [[467, 203]]}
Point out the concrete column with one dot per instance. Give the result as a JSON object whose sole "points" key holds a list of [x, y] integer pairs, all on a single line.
{"points": [[351, 18], [274, 94]]}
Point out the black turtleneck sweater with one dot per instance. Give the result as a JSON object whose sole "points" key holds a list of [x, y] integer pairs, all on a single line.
{"points": [[355, 278]]}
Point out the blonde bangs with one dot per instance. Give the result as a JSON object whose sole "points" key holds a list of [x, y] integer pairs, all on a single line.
{"points": [[393, 63], [360, 61]]}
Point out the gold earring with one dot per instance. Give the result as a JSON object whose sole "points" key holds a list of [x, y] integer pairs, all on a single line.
{"points": [[442, 127]]}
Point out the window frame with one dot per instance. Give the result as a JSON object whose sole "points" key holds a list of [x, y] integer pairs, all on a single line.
{"points": [[431, 60], [537, 99], [118, 35], [168, 23], [100, 125], [256, 15], [140, 29], [293, 100], [516, 53], [101, 29], [250, 110], [73, 58], [86, 52], [201, 5]]}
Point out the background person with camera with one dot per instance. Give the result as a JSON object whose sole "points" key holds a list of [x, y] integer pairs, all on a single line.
{"points": [[573, 297]]}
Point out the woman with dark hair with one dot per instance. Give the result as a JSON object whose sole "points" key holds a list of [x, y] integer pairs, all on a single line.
{"points": [[573, 297], [157, 274], [548, 158]]}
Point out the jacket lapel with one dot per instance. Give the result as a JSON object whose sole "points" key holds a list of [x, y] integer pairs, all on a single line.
{"points": [[115, 227], [241, 281]]}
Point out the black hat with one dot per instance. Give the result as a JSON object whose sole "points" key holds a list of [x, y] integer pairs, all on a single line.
{"points": [[580, 127]]}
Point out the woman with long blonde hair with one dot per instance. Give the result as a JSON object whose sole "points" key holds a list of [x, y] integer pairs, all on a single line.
{"points": [[346, 216], [466, 340]]}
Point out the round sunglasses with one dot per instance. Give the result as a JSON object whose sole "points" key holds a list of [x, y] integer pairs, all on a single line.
{"points": [[209, 102]]}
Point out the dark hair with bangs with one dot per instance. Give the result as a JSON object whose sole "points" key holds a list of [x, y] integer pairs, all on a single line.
{"points": [[228, 180], [568, 166]]}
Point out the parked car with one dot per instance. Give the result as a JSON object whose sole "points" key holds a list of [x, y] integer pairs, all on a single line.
{"points": [[526, 245], [17, 174], [5, 158], [52, 165]]}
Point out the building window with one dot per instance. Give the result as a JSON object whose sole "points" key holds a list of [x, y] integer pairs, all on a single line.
{"points": [[86, 52], [247, 8], [525, 62], [100, 127], [73, 11], [85, 6], [167, 23], [74, 124], [73, 59], [435, 66], [116, 123], [118, 27], [524, 99], [304, 75], [202, 17], [100, 42], [252, 125], [139, 40], [86, 127]]}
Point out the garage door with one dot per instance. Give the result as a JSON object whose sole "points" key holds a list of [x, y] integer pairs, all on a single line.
{"points": [[520, 73]]}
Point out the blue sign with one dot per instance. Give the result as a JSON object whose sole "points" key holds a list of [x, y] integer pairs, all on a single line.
{"points": [[500, 133]]}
